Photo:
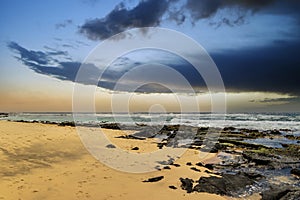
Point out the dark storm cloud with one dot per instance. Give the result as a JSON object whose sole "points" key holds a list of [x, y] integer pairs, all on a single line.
{"points": [[150, 13], [203, 9], [273, 68], [146, 13], [46, 63]]}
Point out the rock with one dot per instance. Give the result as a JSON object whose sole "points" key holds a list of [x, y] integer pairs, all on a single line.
{"points": [[295, 172], [292, 195], [175, 164], [110, 126], [173, 187], [167, 167], [3, 115], [111, 146], [161, 145], [228, 184], [195, 169], [275, 132], [230, 128], [209, 166], [67, 124], [131, 137], [187, 184], [203, 129], [154, 179], [275, 193], [146, 134], [257, 159], [189, 164], [135, 148], [200, 164]]}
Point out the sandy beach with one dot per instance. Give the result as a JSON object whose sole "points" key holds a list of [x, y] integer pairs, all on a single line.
{"points": [[42, 161]]}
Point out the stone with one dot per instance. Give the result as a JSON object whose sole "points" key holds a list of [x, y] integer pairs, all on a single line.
{"points": [[187, 184], [195, 169], [173, 187], [296, 172], [228, 184], [154, 179], [110, 146]]}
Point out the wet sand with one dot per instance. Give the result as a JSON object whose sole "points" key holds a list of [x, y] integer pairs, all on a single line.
{"points": [[42, 161]]}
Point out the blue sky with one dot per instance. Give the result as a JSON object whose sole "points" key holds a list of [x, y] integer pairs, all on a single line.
{"points": [[255, 45]]}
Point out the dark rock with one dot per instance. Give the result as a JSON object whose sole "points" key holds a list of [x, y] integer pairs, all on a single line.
{"points": [[161, 145], [228, 184], [292, 195], [275, 193], [154, 179], [285, 129], [173, 187], [200, 164], [195, 169], [175, 164], [203, 129], [209, 166], [295, 172], [167, 167], [131, 137], [3, 115], [145, 134], [67, 124], [230, 128], [111, 146], [242, 144], [257, 159], [284, 145], [275, 132], [168, 128], [209, 172], [187, 184], [189, 164], [135, 148], [292, 137], [197, 142], [115, 126]]}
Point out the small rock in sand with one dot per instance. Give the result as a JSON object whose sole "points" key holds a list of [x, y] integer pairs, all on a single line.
{"points": [[154, 179]]}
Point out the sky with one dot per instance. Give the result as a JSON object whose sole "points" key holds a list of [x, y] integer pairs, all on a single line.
{"points": [[255, 46]]}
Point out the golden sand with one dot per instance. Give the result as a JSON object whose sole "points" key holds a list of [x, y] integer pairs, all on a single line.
{"points": [[40, 161]]}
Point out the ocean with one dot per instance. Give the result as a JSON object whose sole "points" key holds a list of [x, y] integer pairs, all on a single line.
{"points": [[258, 121]]}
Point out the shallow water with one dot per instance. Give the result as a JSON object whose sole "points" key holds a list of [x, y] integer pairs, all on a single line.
{"points": [[274, 143]]}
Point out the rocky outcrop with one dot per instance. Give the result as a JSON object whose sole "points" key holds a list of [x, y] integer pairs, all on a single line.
{"points": [[228, 184]]}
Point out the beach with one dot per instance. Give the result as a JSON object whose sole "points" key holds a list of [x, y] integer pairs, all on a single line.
{"points": [[43, 161]]}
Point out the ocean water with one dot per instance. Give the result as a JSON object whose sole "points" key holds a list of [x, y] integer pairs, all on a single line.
{"points": [[259, 121]]}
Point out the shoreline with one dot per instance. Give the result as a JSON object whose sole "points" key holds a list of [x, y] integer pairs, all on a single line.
{"points": [[228, 156]]}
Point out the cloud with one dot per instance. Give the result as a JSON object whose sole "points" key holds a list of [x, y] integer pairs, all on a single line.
{"points": [[49, 63], [153, 12], [146, 13], [279, 100], [237, 11], [273, 68], [64, 24]]}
